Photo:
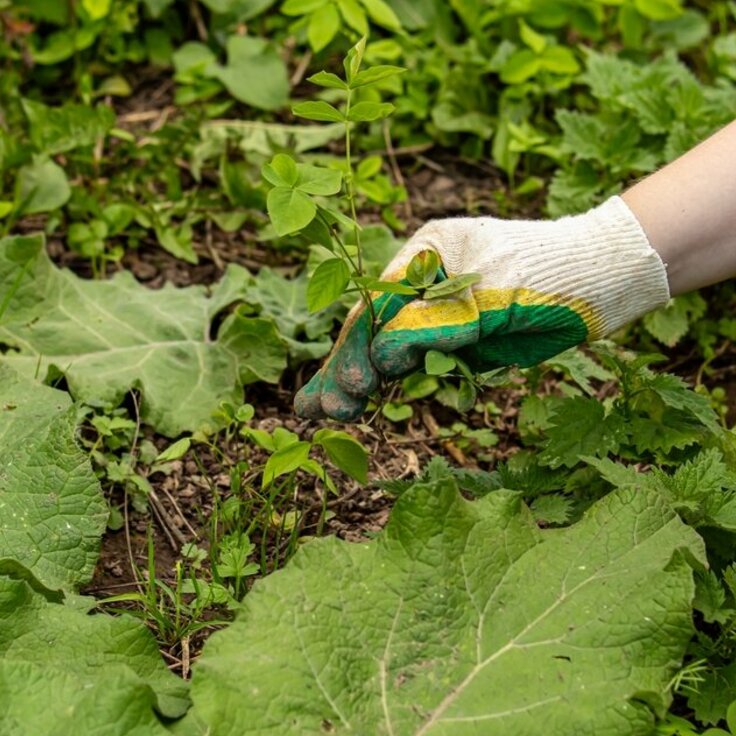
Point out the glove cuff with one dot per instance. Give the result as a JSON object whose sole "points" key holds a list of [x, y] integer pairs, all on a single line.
{"points": [[620, 276]]}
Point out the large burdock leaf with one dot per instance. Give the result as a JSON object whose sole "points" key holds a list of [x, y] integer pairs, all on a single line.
{"points": [[64, 672], [463, 618], [107, 337], [52, 513]]}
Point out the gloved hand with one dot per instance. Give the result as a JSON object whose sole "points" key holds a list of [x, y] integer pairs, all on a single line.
{"points": [[546, 286]]}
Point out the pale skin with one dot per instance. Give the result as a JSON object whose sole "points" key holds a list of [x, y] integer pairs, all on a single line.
{"points": [[688, 211]]}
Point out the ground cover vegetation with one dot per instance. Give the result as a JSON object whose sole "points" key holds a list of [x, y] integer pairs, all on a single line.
{"points": [[192, 195]]}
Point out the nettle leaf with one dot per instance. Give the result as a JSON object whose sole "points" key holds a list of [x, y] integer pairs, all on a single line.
{"points": [[345, 451], [108, 337], [327, 283], [105, 673], [57, 129], [290, 210], [579, 426], [671, 323], [318, 110], [463, 618], [52, 512]]}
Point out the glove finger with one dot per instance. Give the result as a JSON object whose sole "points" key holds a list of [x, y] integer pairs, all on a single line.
{"points": [[354, 370], [335, 401], [441, 324], [308, 402]]}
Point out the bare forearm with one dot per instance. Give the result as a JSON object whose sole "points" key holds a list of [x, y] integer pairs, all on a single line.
{"points": [[688, 211]]}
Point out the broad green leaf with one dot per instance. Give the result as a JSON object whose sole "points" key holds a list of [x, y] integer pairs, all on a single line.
{"points": [[52, 512], [437, 363], [345, 452], [369, 111], [318, 180], [324, 23], [397, 412], [255, 73], [580, 426], [175, 451], [281, 172], [463, 618], [423, 268], [97, 9], [327, 283], [108, 337], [290, 210], [284, 461], [318, 110], [105, 673], [57, 129], [676, 394], [659, 9], [388, 287], [327, 79], [41, 186], [535, 41], [375, 74], [560, 60], [451, 286]]}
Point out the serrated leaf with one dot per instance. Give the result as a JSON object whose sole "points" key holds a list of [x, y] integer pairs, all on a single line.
{"points": [[451, 286], [290, 210], [318, 110], [105, 672], [671, 323], [579, 426], [581, 368], [52, 512], [369, 111], [345, 452], [108, 337], [327, 283], [456, 609], [552, 509], [676, 394]]}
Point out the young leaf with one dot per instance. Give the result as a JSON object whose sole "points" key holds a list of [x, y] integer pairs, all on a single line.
{"points": [[369, 111], [375, 74], [327, 283], [382, 14], [354, 15], [289, 209], [318, 110], [345, 451], [302, 7], [388, 287], [327, 79], [437, 363], [452, 286], [422, 269], [41, 186], [397, 412], [353, 60], [284, 461], [281, 172]]}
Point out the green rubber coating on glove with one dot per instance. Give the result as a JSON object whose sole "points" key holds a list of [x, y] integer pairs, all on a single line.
{"points": [[308, 400]]}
